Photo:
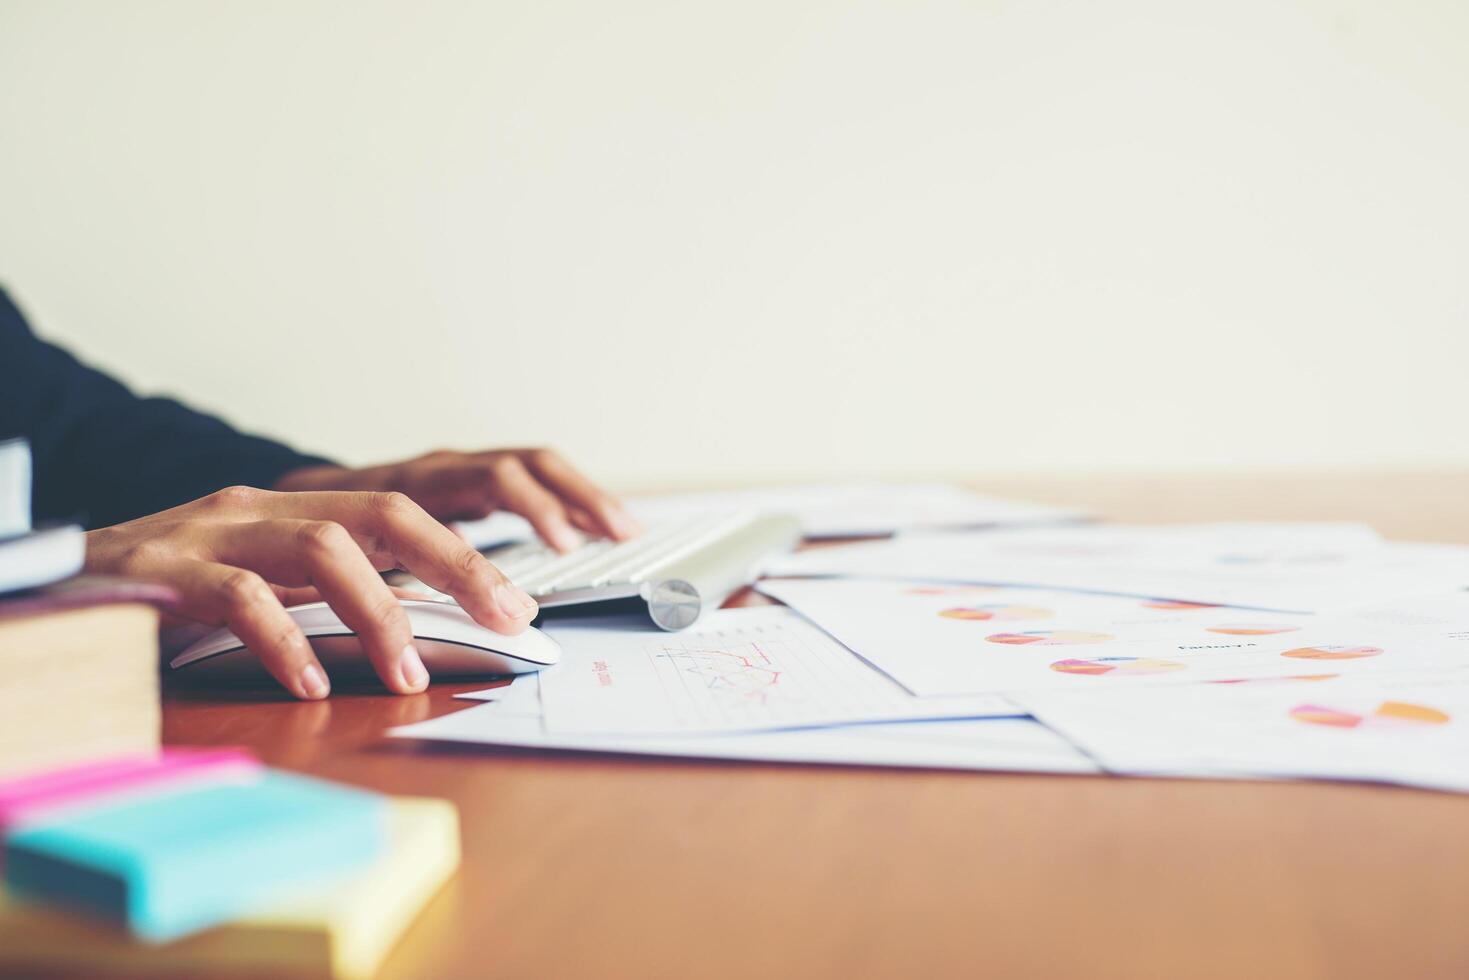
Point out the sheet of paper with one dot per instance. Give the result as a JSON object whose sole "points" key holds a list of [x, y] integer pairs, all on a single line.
{"points": [[522, 695], [1005, 744], [739, 670], [826, 510], [15, 487], [947, 640], [1301, 568], [1410, 728]]}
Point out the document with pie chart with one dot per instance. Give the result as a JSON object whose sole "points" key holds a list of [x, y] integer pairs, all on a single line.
{"points": [[939, 639], [1410, 728]]}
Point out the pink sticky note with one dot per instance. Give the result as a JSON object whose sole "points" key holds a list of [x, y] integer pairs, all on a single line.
{"points": [[32, 799]]}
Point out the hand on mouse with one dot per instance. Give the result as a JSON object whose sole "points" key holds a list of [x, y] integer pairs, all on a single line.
{"points": [[240, 556], [537, 484]]}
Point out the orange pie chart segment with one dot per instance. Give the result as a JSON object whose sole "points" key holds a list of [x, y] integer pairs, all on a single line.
{"points": [[948, 589], [1315, 714], [1274, 680], [1414, 714], [1252, 629], [996, 611], [1049, 638], [1332, 652], [1394, 714], [1098, 666]]}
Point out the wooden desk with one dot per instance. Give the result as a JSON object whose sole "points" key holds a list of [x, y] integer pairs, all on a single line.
{"points": [[583, 866]]}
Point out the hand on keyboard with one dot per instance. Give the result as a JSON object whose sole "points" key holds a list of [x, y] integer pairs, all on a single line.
{"points": [[537, 484], [679, 568]]}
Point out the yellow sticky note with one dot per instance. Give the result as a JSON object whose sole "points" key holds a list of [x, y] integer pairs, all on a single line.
{"points": [[343, 931]]}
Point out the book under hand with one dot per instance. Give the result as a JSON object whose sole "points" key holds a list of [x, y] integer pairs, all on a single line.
{"points": [[79, 674]]}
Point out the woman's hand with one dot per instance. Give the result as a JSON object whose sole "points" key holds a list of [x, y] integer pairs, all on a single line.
{"points": [[240, 556], [537, 484]]}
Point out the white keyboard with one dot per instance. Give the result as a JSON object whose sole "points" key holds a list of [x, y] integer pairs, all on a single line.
{"points": [[679, 569]]}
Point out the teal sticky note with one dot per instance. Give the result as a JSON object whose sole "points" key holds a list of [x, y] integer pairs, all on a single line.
{"points": [[181, 861]]}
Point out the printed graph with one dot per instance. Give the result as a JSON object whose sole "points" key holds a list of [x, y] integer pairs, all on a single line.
{"points": [[1049, 638], [996, 610], [1273, 680], [745, 675], [1098, 666], [956, 590], [1330, 652], [1388, 714], [1252, 629]]}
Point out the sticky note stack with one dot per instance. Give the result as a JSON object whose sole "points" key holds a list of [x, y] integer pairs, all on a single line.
{"points": [[191, 861]]}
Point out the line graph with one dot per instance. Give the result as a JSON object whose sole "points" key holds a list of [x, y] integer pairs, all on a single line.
{"points": [[745, 676], [740, 670]]}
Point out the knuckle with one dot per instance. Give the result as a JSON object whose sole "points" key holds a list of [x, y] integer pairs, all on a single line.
{"points": [[288, 639], [241, 589], [391, 504], [503, 467], [386, 611], [322, 537], [234, 497], [471, 563]]}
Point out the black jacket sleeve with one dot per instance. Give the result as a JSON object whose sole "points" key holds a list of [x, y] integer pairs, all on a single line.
{"points": [[104, 455]]}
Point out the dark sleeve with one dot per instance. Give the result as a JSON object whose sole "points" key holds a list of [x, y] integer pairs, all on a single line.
{"points": [[104, 455]]}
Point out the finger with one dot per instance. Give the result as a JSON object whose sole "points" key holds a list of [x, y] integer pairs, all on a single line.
{"points": [[292, 597], [240, 599], [451, 489], [583, 521], [579, 493], [511, 486], [397, 533], [323, 555]]}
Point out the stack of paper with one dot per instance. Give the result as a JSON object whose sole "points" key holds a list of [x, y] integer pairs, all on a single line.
{"points": [[28, 557], [825, 510], [758, 684], [1314, 650], [1292, 567]]}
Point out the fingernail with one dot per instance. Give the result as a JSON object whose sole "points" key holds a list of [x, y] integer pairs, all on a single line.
{"points": [[513, 602], [415, 675], [314, 683]]}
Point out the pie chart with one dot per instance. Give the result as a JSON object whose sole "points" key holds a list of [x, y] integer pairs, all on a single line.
{"points": [[1048, 638], [948, 589], [996, 611], [1252, 629], [1274, 680], [1332, 652], [1393, 714], [1116, 665]]}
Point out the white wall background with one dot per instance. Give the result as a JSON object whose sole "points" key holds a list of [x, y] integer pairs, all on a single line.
{"points": [[694, 241]]}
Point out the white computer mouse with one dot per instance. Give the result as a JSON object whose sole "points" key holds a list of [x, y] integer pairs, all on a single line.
{"points": [[449, 641]]}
